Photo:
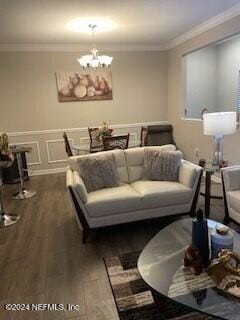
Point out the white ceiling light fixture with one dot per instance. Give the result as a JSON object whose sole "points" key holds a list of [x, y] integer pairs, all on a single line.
{"points": [[81, 25], [94, 60]]}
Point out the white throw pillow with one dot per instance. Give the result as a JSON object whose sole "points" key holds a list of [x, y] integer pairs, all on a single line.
{"points": [[99, 172], [162, 165]]}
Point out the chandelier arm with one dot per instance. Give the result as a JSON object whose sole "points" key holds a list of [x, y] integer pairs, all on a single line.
{"points": [[94, 60]]}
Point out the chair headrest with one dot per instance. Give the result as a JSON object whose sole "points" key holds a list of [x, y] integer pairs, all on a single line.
{"points": [[160, 128]]}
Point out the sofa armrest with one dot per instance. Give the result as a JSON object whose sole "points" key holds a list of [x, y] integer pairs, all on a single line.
{"points": [[188, 173], [75, 181], [231, 178]]}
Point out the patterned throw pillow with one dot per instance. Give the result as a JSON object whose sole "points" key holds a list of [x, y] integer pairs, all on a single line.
{"points": [[162, 165], [99, 171]]}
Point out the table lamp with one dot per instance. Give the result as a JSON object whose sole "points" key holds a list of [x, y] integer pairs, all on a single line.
{"points": [[219, 124]]}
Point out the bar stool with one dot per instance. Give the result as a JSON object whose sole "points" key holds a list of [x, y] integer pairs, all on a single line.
{"points": [[6, 160], [23, 193]]}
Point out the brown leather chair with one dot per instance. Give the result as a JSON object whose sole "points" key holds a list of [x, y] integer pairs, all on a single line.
{"points": [[116, 142], [157, 135], [68, 148]]}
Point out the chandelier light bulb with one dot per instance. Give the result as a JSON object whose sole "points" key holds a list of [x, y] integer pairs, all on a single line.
{"points": [[94, 60]]}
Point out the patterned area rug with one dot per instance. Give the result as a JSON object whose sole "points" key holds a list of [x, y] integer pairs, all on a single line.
{"points": [[134, 299]]}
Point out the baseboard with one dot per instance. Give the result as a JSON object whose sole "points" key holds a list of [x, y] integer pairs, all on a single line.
{"points": [[47, 171]]}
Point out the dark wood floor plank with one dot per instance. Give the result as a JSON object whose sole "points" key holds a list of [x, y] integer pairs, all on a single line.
{"points": [[99, 301]]}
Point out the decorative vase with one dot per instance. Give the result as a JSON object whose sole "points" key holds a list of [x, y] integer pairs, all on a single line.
{"points": [[200, 239]]}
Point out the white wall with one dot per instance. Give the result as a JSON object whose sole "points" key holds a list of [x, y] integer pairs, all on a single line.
{"points": [[28, 91], [30, 111]]}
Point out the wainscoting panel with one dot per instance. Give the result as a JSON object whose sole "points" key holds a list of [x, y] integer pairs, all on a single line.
{"points": [[56, 150], [33, 157], [48, 152]]}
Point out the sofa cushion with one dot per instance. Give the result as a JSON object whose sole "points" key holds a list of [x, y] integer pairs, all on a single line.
{"points": [[161, 165], [113, 201], [134, 160], [234, 200], [118, 155], [162, 193], [99, 171]]}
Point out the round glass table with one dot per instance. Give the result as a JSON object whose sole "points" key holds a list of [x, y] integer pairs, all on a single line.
{"points": [[160, 266]]}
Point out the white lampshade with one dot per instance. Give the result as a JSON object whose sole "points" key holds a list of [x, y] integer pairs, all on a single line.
{"points": [[219, 123]]}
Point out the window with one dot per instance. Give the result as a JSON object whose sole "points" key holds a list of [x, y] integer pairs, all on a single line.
{"points": [[238, 94]]}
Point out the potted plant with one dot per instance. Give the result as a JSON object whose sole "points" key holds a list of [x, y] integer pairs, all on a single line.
{"points": [[105, 130]]}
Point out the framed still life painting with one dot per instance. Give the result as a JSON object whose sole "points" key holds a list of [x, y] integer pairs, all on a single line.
{"points": [[84, 85]]}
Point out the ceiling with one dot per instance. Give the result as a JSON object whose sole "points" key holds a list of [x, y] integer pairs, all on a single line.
{"points": [[146, 23]]}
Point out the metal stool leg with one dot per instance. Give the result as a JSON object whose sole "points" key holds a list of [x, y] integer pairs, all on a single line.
{"points": [[5, 219], [22, 193]]}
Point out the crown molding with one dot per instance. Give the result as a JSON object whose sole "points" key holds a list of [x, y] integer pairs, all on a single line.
{"points": [[205, 26], [28, 47]]}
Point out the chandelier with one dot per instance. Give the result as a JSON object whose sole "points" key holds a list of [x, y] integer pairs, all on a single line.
{"points": [[94, 60]]}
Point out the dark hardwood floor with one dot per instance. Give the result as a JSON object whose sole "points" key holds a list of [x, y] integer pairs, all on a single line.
{"points": [[42, 258]]}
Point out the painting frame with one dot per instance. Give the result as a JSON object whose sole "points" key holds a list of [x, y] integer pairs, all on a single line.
{"points": [[84, 85]]}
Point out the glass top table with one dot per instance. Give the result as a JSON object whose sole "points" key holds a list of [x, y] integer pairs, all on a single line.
{"points": [[160, 266]]}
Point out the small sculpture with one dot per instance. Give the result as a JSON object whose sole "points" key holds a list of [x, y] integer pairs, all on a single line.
{"points": [[193, 260], [225, 271]]}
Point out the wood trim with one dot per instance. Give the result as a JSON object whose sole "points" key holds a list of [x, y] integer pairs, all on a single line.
{"points": [[47, 171], [45, 47], [47, 142], [205, 26], [83, 129]]}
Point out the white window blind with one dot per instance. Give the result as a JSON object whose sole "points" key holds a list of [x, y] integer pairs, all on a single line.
{"points": [[238, 93]]}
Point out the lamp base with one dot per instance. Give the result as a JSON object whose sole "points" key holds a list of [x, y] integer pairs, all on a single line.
{"points": [[218, 150], [8, 219], [24, 194]]}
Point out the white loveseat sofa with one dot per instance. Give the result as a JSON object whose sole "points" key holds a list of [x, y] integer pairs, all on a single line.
{"points": [[136, 198], [231, 192]]}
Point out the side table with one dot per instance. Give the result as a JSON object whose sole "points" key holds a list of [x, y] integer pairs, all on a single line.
{"points": [[22, 193], [209, 172]]}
